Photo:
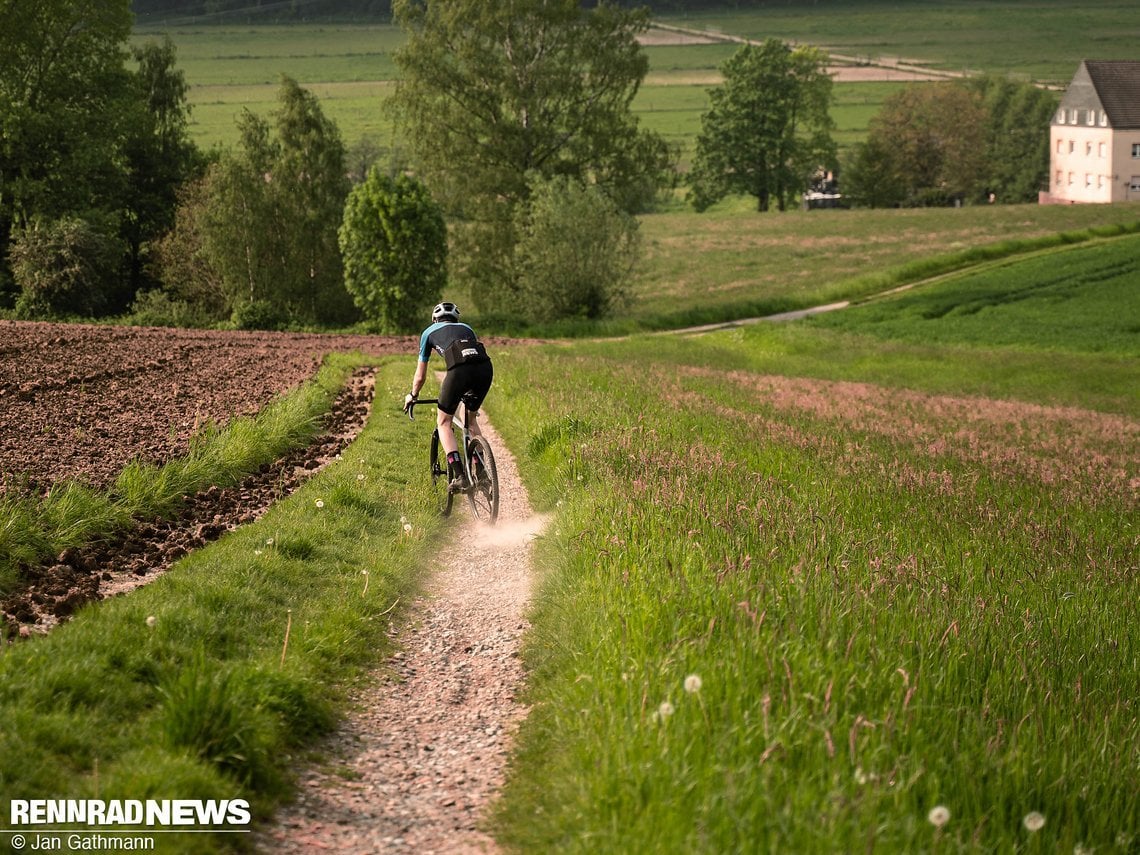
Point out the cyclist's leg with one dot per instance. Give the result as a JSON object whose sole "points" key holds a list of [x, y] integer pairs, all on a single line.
{"points": [[450, 392], [479, 383]]}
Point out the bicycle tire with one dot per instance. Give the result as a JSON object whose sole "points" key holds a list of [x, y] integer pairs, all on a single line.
{"points": [[483, 496], [438, 463]]}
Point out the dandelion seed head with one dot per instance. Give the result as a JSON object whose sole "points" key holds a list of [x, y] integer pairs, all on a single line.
{"points": [[257, 552], [408, 528], [939, 815], [665, 710], [860, 775], [320, 503], [360, 477], [1034, 821], [269, 541], [693, 684], [151, 620]]}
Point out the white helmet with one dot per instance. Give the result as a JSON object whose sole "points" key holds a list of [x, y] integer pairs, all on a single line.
{"points": [[445, 312]]}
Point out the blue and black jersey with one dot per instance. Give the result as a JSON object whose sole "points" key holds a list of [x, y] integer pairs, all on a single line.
{"points": [[439, 335]]}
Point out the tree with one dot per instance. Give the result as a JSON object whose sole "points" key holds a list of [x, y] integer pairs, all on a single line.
{"points": [[157, 153], [576, 251], [61, 75], [394, 243], [492, 92], [768, 129], [1018, 116], [265, 222], [926, 145], [65, 267]]}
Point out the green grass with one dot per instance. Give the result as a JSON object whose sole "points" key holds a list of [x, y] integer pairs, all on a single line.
{"points": [[732, 262], [1027, 303], [207, 700], [896, 591]]}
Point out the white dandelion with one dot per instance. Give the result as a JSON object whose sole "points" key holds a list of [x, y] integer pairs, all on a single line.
{"points": [[1033, 821], [665, 710], [320, 503], [407, 528], [693, 684], [939, 815], [151, 621]]}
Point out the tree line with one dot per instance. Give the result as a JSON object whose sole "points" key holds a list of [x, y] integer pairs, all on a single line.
{"points": [[522, 173]]}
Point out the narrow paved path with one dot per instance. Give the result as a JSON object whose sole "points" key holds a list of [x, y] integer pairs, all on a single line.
{"points": [[422, 754]]}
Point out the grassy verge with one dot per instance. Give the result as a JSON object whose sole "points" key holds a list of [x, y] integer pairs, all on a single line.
{"points": [[187, 688], [789, 613], [72, 514]]}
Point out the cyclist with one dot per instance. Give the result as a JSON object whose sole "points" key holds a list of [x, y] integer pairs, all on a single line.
{"points": [[468, 378]]}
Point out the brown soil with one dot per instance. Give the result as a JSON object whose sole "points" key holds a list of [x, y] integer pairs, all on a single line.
{"points": [[80, 402]]}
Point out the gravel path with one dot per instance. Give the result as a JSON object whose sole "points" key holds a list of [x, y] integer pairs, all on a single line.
{"points": [[421, 755]]}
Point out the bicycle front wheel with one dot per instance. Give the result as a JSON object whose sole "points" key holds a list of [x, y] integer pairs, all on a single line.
{"points": [[484, 492], [443, 498]]}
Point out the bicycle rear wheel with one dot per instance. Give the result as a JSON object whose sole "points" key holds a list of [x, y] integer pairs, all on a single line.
{"points": [[484, 493], [443, 498]]}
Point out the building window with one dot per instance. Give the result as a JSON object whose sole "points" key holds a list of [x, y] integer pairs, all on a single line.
{"points": [[1070, 179], [1088, 149], [1072, 146], [1091, 118], [1103, 119], [1061, 116], [1135, 185], [1100, 150], [1100, 182], [1088, 179], [1136, 149], [1073, 116]]}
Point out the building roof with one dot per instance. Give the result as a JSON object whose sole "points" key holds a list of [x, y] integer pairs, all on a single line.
{"points": [[1109, 85]]}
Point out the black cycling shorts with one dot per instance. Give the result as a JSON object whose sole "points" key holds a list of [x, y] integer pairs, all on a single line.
{"points": [[469, 383]]}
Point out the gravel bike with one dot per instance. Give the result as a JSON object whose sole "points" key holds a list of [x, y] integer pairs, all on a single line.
{"points": [[479, 466]]}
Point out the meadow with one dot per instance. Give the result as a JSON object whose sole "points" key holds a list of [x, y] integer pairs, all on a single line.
{"points": [[817, 587]]}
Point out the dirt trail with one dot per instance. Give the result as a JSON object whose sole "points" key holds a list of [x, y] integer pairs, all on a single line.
{"points": [[421, 755]]}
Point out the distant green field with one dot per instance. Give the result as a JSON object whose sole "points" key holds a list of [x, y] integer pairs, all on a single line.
{"points": [[1029, 303], [349, 65], [1043, 39], [731, 261]]}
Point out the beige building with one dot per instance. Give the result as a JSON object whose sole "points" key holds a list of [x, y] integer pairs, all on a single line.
{"points": [[1094, 140]]}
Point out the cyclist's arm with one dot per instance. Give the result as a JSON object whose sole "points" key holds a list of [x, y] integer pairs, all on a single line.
{"points": [[419, 378]]}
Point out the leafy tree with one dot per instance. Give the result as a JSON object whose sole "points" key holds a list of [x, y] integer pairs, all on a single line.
{"points": [[158, 154], [1018, 116], [925, 146], [64, 267], [394, 243], [492, 92], [61, 77], [768, 129], [576, 251], [264, 222]]}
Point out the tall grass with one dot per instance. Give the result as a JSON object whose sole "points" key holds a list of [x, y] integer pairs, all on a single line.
{"points": [[187, 689], [781, 613]]}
